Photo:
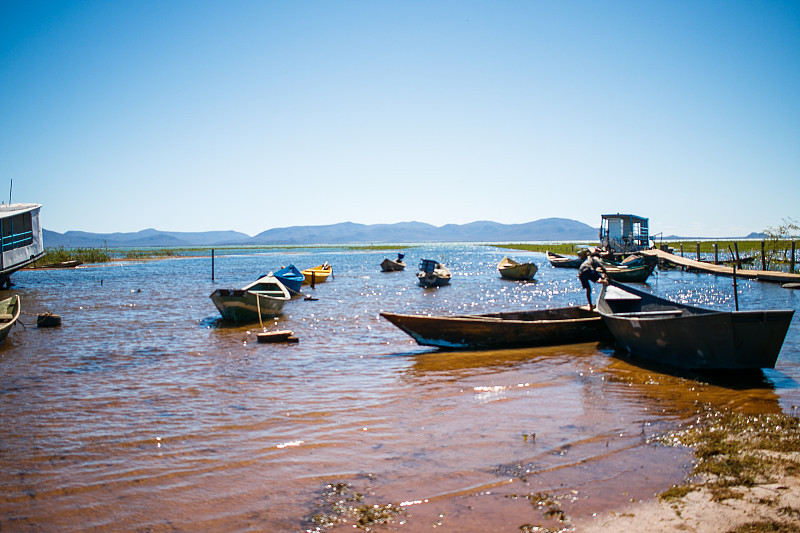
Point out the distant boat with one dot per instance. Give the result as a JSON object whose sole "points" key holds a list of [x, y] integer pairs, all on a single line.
{"points": [[683, 336], [510, 269], [263, 298], [433, 274], [9, 313], [561, 261], [291, 277], [393, 265], [317, 274], [21, 238], [514, 329]]}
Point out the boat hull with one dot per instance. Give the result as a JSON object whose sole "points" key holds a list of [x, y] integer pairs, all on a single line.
{"points": [[630, 274], [291, 278], [244, 306], [388, 265], [10, 309], [544, 327], [681, 336], [559, 261], [318, 274], [516, 271], [433, 279]]}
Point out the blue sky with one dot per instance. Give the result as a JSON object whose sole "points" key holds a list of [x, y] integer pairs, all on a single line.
{"points": [[196, 116]]}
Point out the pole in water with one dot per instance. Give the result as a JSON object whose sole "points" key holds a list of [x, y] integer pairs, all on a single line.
{"points": [[735, 287], [212, 264]]}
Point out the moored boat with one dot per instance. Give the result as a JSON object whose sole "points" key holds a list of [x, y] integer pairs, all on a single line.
{"points": [[393, 265], [561, 261], [636, 271], [433, 274], [513, 329], [263, 298], [510, 269], [10, 309], [317, 274], [684, 336], [291, 277]]}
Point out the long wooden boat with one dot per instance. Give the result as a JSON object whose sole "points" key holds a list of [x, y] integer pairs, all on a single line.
{"points": [[291, 277], [690, 337], [633, 272], [264, 297], [561, 261], [514, 329], [317, 274], [433, 274], [392, 265], [510, 269], [10, 309]]}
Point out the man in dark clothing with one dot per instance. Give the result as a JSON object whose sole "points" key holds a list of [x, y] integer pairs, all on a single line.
{"points": [[592, 270]]}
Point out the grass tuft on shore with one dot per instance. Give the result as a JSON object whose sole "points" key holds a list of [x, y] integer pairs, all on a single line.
{"points": [[737, 450]]}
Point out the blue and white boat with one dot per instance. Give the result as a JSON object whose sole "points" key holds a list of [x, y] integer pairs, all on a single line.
{"points": [[291, 277]]}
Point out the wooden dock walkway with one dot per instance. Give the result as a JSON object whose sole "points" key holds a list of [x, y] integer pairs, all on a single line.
{"points": [[720, 270]]}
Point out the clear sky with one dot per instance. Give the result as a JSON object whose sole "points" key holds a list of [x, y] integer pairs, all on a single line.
{"points": [[194, 116]]}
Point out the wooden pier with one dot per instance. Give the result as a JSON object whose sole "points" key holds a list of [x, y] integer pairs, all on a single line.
{"points": [[721, 270]]}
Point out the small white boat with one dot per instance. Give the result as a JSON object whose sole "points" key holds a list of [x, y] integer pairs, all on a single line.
{"points": [[263, 298]]}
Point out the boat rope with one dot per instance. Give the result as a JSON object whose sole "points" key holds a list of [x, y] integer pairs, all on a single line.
{"points": [[258, 305]]}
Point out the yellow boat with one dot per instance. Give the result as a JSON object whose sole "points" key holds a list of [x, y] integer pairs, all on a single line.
{"points": [[317, 274]]}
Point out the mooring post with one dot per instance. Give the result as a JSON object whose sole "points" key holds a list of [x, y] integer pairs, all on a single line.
{"points": [[791, 261], [738, 261], [212, 264], [763, 257], [681, 249], [716, 253], [698, 251], [735, 289]]}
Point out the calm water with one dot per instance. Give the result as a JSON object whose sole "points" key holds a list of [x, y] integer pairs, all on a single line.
{"points": [[145, 412]]}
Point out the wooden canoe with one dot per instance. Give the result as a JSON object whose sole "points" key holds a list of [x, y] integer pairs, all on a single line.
{"points": [[561, 261], [10, 309], [317, 274], [263, 298], [683, 336], [629, 272], [515, 329], [510, 269]]}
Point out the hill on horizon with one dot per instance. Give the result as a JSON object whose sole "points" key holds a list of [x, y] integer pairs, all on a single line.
{"points": [[549, 229]]}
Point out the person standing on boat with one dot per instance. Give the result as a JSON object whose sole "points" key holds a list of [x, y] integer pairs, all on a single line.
{"points": [[592, 270]]}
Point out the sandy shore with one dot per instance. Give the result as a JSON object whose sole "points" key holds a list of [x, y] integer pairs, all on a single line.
{"points": [[769, 507]]}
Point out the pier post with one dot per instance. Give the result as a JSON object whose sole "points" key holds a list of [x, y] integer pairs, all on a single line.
{"points": [[212, 264], [763, 257], [698, 251], [716, 253], [681, 249]]}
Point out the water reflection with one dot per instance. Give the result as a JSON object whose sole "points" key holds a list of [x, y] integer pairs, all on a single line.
{"points": [[146, 411]]}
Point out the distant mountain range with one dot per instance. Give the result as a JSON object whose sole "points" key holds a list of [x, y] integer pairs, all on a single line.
{"points": [[548, 229]]}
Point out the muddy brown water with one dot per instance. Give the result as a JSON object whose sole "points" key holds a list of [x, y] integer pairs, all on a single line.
{"points": [[146, 412]]}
